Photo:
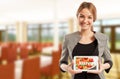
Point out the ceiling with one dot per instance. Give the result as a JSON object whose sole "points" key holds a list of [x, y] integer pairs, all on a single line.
{"points": [[45, 10]]}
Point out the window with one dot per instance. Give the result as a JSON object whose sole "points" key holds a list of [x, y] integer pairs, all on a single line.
{"points": [[107, 31], [63, 29], [11, 32], [111, 22], [33, 32], [117, 41], [47, 32], [40, 32], [97, 25], [8, 33]]}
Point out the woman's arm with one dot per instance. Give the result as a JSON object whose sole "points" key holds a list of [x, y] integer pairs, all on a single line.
{"points": [[101, 68], [64, 55], [107, 56], [69, 68], [64, 67]]}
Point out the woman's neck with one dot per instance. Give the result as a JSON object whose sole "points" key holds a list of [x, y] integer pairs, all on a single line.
{"points": [[87, 37], [86, 33]]}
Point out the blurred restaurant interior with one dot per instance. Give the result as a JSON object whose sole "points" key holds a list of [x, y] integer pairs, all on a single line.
{"points": [[32, 31]]}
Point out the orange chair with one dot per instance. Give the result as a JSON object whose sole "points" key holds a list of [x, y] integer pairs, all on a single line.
{"points": [[9, 54], [7, 71], [0, 60], [53, 69], [24, 53], [12, 55], [4, 52], [31, 68]]}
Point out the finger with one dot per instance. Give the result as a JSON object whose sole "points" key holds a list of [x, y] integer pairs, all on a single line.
{"points": [[99, 63], [94, 71], [72, 61], [70, 64], [78, 71]]}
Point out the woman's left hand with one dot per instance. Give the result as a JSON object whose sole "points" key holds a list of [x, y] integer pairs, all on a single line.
{"points": [[101, 68]]}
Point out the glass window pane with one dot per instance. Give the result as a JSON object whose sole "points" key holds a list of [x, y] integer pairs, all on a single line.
{"points": [[44, 26], [44, 35], [97, 28], [3, 36], [111, 22], [40, 32], [63, 30], [117, 42], [2, 27], [33, 35], [11, 32], [31, 26], [47, 32], [97, 23], [33, 32], [107, 31]]}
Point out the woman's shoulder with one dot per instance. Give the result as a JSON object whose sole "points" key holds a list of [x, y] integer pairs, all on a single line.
{"points": [[101, 36]]}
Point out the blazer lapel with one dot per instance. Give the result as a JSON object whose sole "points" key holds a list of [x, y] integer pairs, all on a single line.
{"points": [[73, 41], [100, 44]]}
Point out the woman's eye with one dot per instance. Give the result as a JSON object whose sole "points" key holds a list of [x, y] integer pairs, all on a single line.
{"points": [[81, 16], [89, 17]]}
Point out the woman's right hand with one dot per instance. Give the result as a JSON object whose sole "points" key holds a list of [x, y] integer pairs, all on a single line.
{"points": [[71, 70]]}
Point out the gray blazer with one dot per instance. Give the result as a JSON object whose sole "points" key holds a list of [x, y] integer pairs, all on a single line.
{"points": [[72, 39]]}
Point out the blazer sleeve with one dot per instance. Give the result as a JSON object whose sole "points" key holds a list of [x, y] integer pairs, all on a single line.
{"points": [[64, 54], [107, 55]]}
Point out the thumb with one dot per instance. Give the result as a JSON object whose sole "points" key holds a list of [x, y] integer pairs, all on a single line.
{"points": [[99, 63]]}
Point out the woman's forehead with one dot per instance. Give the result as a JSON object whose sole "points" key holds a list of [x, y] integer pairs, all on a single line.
{"points": [[85, 11]]}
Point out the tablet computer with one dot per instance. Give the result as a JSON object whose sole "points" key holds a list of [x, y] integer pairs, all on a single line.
{"points": [[86, 63]]}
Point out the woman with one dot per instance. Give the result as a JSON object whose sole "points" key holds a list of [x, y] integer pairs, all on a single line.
{"points": [[86, 42]]}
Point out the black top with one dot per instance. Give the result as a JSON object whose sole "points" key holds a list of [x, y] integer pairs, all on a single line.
{"points": [[86, 50]]}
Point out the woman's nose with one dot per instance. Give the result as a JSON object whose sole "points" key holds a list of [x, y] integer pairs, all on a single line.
{"points": [[85, 20]]}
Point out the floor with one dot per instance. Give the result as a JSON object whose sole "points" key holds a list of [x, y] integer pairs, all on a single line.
{"points": [[113, 74]]}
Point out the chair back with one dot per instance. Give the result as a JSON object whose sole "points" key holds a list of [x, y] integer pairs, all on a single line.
{"points": [[7, 71], [55, 63], [31, 68], [12, 55], [24, 53]]}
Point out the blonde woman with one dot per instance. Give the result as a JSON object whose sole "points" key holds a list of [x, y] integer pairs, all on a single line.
{"points": [[86, 42]]}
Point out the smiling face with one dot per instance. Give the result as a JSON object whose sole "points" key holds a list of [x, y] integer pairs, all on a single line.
{"points": [[85, 19], [86, 15]]}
